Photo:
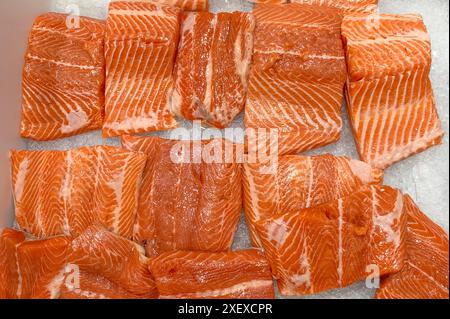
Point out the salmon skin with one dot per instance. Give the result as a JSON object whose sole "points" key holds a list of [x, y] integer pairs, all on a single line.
{"points": [[297, 78], [63, 78], [425, 274], [187, 204], [390, 99], [332, 245], [31, 269], [300, 182], [140, 46], [63, 192], [212, 66], [114, 258], [201, 275]]}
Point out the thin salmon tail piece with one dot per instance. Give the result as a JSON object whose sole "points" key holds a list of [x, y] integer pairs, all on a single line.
{"points": [[426, 271], [332, 245], [300, 182], [63, 77], [389, 95], [140, 47], [10, 278], [200, 275]]}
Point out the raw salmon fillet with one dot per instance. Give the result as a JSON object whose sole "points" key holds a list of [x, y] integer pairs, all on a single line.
{"points": [[98, 251], [41, 265], [63, 192], [9, 273], [140, 46], [330, 246], [200, 275], [63, 78], [345, 6], [187, 201], [300, 182], [390, 99], [425, 274], [297, 78], [92, 286], [212, 66]]}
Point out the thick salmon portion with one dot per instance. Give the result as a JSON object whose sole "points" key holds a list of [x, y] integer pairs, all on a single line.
{"points": [[116, 259], [188, 201], [297, 78], [63, 192], [9, 274], [300, 182], [425, 274], [199, 275], [331, 246], [141, 43], [92, 286], [63, 77], [390, 99], [212, 66]]}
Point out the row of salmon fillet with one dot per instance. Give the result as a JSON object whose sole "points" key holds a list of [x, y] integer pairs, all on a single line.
{"points": [[157, 217], [287, 63]]}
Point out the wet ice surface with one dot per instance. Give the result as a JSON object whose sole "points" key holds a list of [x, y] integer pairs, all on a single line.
{"points": [[425, 176]]}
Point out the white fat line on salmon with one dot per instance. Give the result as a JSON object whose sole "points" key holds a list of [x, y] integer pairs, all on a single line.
{"points": [[305, 278], [297, 53], [66, 190], [238, 288], [209, 70], [310, 181], [429, 277], [340, 269], [83, 67], [116, 184], [387, 222], [19, 275], [20, 179]]}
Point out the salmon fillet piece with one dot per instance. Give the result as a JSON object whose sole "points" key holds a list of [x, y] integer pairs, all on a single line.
{"points": [[425, 274], [297, 78], [330, 246], [188, 203], [201, 275], [98, 251], [41, 267], [63, 78], [92, 286], [63, 192], [390, 99], [300, 182], [9, 273], [212, 66], [140, 47]]}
